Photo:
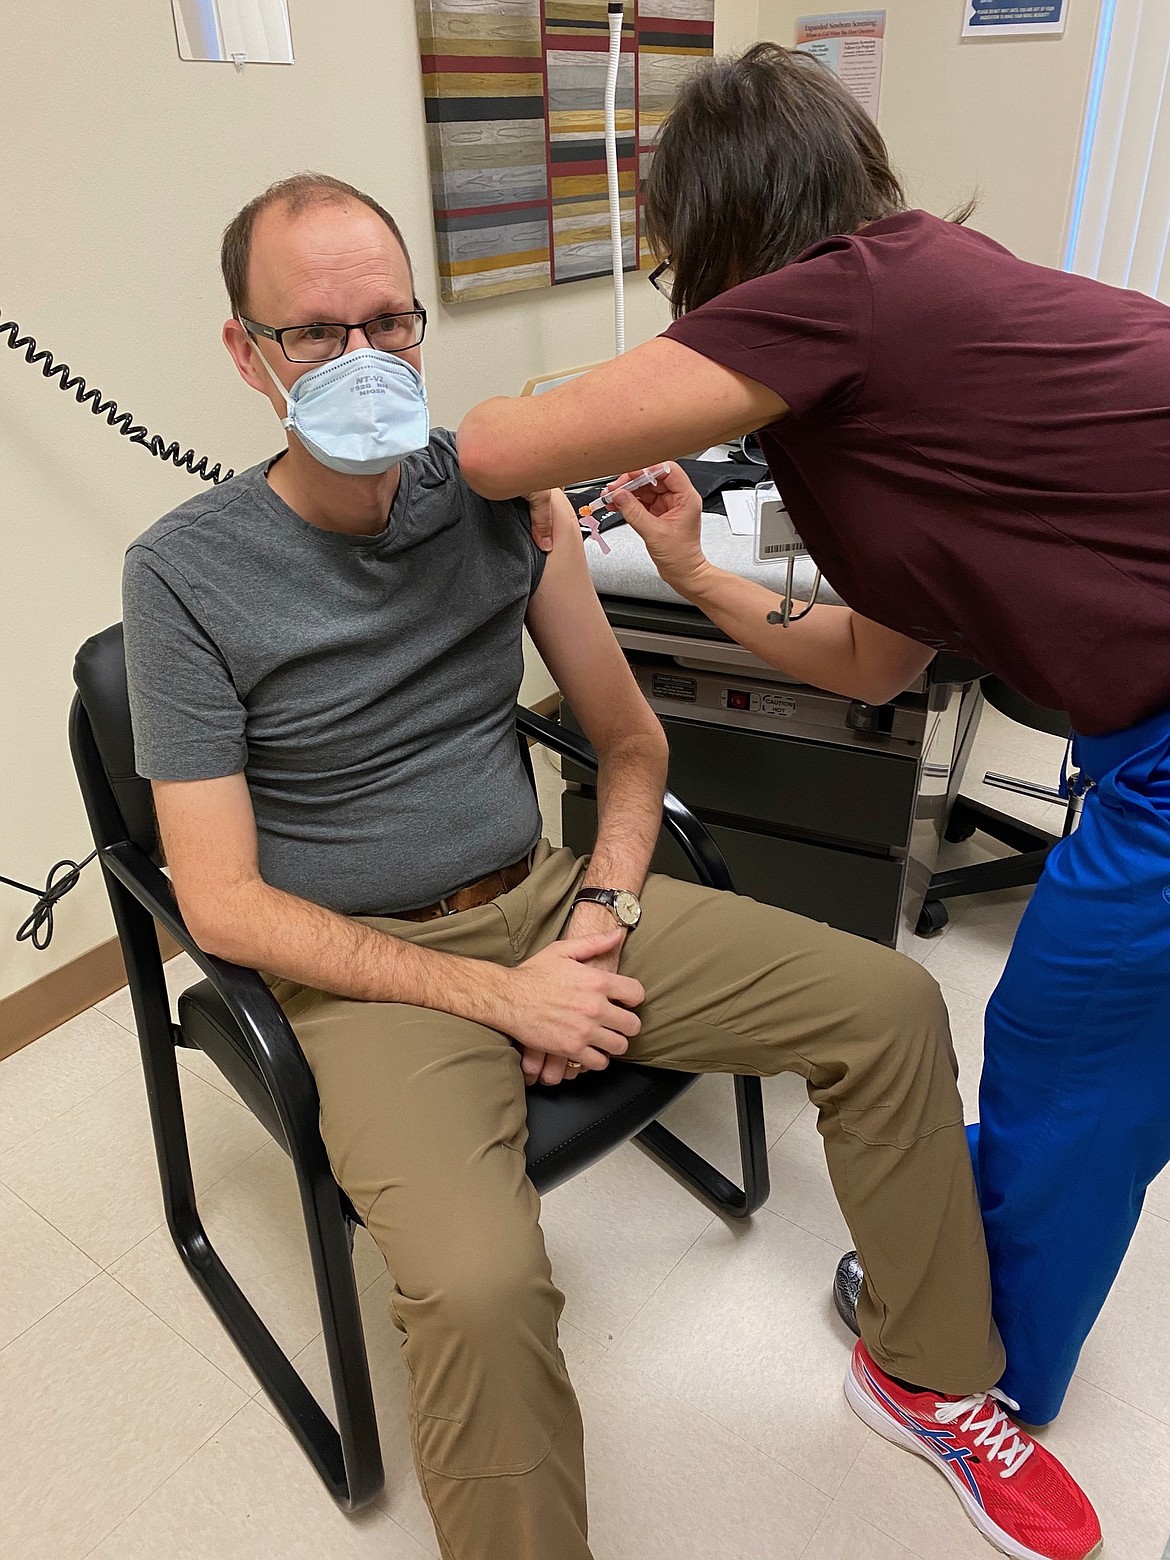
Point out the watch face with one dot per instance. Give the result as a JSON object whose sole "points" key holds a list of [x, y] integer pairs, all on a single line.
{"points": [[627, 907]]}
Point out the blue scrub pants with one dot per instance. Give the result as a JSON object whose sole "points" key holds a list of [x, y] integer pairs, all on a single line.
{"points": [[1075, 1094]]}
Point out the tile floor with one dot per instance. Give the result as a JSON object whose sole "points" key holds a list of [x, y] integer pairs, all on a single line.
{"points": [[708, 1358]]}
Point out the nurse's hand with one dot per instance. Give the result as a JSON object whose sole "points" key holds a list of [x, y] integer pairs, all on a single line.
{"points": [[668, 518]]}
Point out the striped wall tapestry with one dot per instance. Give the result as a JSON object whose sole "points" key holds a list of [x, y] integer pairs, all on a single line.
{"points": [[514, 93]]}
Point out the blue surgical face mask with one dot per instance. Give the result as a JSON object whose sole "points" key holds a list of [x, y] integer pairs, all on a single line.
{"points": [[359, 414]]}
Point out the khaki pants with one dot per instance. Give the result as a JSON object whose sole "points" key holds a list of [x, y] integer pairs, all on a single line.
{"points": [[423, 1116]]}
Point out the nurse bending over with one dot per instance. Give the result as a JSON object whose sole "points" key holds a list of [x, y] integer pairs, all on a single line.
{"points": [[976, 451]]}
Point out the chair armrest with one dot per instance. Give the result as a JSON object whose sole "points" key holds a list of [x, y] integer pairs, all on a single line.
{"points": [[680, 822], [267, 1032]]}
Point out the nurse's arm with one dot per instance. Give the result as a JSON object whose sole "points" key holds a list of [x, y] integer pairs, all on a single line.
{"points": [[833, 647], [656, 402]]}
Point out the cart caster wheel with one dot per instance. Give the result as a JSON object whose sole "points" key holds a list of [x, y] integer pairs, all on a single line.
{"points": [[958, 828], [931, 918]]}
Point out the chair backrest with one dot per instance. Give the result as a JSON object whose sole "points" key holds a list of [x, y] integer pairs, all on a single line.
{"points": [[118, 804], [117, 799]]}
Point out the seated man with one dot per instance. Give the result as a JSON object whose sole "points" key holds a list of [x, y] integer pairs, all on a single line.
{"points": [[324, 654]]}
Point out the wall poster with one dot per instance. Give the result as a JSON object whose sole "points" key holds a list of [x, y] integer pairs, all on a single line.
{"points": [[1013, 18], [850, 43]]}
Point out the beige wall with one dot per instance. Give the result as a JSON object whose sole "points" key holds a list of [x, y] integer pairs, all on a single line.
{"points": [[1000, 116], [114, 199], [107, 253]]}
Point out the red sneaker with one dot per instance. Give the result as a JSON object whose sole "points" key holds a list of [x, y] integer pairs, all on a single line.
{"points": [[1014, 1490]]}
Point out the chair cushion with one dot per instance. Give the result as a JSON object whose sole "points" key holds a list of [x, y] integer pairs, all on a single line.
{"points": [[1035, 716], [568, 1127], [575, 1124]]}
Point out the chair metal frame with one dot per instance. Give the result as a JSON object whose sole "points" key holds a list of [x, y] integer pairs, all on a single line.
{"points": [[347, 1457], [1031, 844]]}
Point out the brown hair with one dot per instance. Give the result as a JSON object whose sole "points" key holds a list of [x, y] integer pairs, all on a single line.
{"points": [[295, 193], [760, 157]]}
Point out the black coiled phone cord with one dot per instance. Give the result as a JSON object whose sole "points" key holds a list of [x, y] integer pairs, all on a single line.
{"points": [[63, 875], [122, 421]]}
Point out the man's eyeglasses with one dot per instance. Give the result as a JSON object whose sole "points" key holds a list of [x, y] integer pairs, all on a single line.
{"points": [[662, 279], [321, 342]]}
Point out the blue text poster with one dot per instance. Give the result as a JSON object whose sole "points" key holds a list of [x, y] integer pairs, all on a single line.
{"points": [[1003, 18]]}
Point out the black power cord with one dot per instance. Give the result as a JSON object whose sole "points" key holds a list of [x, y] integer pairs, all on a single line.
{"points": [[38, 928], [122, 421]]}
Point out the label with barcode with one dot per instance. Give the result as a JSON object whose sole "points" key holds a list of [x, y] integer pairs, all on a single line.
{"points": [[776, 536]]}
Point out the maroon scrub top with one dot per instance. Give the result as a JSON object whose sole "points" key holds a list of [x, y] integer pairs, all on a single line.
{"points": [[977, 455]]}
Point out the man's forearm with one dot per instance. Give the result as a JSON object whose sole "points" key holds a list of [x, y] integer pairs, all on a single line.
{"points": [[263, 928], [631, 782]]}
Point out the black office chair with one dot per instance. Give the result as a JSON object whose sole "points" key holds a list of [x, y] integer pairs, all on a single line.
{"points": [[234, 1019], [967, 817]]}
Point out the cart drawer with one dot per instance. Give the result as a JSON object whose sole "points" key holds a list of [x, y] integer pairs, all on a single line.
{"points": [[851, 794], [855, 893]]}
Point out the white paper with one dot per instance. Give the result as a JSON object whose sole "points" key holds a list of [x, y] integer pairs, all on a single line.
{"points": [[850, 43], [1013, 18], [740, 504]]}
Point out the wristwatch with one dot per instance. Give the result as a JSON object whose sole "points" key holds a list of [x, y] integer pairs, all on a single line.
{"points": [[626, 907]]}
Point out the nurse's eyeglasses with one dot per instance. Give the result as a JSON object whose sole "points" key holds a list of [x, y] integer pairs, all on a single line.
{"points": [[662, 279]]}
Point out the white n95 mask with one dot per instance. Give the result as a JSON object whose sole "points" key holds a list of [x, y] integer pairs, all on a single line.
{"points": [[359, 414]]}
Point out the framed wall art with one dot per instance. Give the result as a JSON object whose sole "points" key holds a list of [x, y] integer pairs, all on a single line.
{"points": [[514, 95]]}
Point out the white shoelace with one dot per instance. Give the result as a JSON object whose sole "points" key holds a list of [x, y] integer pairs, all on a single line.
{"points": [[996, 1432]]}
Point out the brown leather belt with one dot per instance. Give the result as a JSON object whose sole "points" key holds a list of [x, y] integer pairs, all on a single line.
{"points": [[474, 895]]}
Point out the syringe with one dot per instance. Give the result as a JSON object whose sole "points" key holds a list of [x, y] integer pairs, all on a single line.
{"points": [[646, 478]]}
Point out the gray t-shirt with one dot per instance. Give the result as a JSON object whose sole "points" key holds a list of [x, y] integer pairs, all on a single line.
{"points": [[363, 684]]}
